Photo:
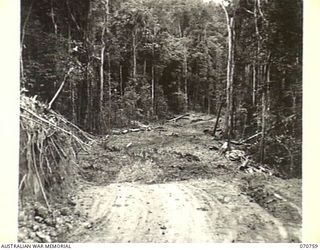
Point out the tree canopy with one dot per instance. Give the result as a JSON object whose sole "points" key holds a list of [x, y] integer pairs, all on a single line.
{"points": [[119, 61]]}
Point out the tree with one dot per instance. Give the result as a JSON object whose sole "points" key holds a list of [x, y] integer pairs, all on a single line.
{"points": [[230, 8], [140, 59]]}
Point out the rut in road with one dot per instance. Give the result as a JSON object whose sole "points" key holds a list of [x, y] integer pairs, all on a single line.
{"points": [[193, 211]]}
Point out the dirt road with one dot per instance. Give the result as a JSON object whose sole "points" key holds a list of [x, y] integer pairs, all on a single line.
{"points": [[193, 211], [167, 184]]}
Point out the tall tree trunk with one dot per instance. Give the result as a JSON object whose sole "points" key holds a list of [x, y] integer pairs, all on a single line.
{"points": [[206, 49], [145, 67], [102, 72], [72, 85], [72, 16], [88, 37], [54, 23], [109, 91], [69, 38], [121, 80], [73, 103], [103, 48], [264, 112], [209, 100], [294, 102], [230, 72], [185, 66], [263, 125], [102, 61], [256, 62], [88, 94], [263, 122], [153, 75], [254, 84], [23, 32], [134, 53], [152, 88]]}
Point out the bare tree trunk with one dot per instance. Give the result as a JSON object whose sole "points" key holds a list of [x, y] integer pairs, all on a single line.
{"points": [[55, 26], [102, 72], [256, 64], [106, 27], [109, 91], [89, 119], [72, 16], [153, 75], [73, 103], [254, 84], [102, 52], [268, 69], [209, 100], [72, 85], [69, 38], [185, 66], [152, 88], [263, 125], [102, 59], [230, 72], [88, 93], [121, 80], [294, 102], [264, 103], [255, 13], [23, 32], [180, 30], [134, 48], [145, 67], [208, 70]]}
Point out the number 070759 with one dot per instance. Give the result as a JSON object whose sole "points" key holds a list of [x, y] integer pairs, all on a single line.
{"points": [[303, 245]]}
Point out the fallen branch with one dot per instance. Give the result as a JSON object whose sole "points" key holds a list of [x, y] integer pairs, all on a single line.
{"points": [[250, 138], [178, 118], [196, 120], [238, 143], [134, 130]]}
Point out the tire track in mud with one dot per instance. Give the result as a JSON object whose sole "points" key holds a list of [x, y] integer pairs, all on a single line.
{"points": [[194, 211]]}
